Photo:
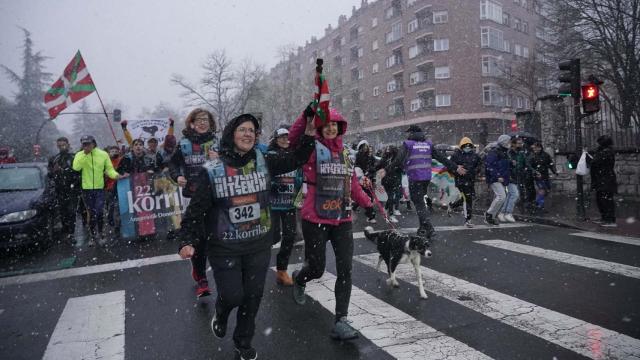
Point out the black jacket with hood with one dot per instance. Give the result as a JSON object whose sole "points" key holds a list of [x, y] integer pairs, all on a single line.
{"points": [[199, 221], [469, 160]]}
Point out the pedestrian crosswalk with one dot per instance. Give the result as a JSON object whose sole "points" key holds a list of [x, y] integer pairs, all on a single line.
{"points": [[392, 322]]}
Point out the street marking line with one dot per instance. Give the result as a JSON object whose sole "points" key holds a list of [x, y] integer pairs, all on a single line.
{"points": [[1, 311], [586, 339], [606, 237], [596, 264], [90, 327], [394, 331], [86, 270]]}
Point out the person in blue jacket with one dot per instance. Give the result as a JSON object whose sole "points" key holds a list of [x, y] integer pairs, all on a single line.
{"points": [[497, 172]]}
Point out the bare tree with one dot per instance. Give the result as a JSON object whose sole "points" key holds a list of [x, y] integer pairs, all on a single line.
{"points": [[226, 89], [605, 35], [528, 77]]}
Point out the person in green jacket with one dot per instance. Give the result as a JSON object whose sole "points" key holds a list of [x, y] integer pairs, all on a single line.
{"points": [[93, 163]]}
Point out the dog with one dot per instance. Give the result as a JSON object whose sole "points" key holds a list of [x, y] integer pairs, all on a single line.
{"points": [[397, 248]]}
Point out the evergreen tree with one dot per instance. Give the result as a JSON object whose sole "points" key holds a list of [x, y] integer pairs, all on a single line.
{"points": [[29, 123]]}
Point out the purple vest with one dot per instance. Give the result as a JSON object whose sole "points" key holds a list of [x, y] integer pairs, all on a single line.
{"points": [[418, 164]]}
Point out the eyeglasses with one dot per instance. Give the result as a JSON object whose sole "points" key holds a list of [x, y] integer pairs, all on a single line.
{"points": [[200, 120], [245, 130]]}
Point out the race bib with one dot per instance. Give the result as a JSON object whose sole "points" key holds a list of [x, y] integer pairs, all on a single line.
{"points": [[244, 213]]}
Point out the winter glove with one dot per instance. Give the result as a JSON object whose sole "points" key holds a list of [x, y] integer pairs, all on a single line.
{"points": [[309, 112], [171, 122], [124, 123]]}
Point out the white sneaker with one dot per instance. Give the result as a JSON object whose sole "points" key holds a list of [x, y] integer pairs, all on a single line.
{"points": [[393, 219], [510, 218], [396, 212], [468, 224], [501, 218], [372, 221]]}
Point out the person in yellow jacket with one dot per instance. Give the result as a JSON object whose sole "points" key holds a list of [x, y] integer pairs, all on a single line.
{"points": [[93, 163]]}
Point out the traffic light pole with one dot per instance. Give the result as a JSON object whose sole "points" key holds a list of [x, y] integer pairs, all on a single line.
{"points": [[577, 116]]}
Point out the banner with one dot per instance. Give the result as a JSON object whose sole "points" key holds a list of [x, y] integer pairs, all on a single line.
{"points": [[149, 128], [150, 204], [442, 189]]}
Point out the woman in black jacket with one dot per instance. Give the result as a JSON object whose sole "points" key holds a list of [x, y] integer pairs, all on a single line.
{"points": [[466, 157], [603, 180], [540, 162], [230, 211], [391, 181]]}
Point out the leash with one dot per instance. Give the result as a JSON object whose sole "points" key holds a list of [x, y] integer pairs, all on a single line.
{"points": [[377, 201]]}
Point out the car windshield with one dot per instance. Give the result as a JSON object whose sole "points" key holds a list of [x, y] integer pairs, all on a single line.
{"points": [[13, 179]]}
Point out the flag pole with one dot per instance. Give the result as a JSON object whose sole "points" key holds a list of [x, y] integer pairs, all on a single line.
{"points": [[107, 116]]}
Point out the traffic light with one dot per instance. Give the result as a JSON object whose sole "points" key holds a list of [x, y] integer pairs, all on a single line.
{"points": [[117, 115], [590, 98], [572, 161], [514, 125], [569, 78]]}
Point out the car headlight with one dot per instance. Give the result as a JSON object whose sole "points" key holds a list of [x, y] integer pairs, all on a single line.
{"points": [[18, 216]]}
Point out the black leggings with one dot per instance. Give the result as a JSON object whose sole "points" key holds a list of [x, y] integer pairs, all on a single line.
{"points": [[240, 283], [315, 240], [285, 220], [606, 206], [469, 191]]}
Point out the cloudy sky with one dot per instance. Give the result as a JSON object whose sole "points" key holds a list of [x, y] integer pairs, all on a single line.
{"points": [[132, 47]]}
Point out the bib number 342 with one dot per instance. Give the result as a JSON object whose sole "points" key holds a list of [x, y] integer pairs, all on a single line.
{"points": [[244, 213]]}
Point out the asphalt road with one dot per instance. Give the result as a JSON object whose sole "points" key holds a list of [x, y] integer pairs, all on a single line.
{"points": [[519, 292]]}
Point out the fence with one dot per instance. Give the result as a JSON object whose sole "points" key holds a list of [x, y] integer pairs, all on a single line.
{"points": [[604, 122]]}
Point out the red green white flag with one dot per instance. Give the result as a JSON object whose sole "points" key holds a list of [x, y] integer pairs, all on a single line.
{"points": [[74, 84], [321, 98]]}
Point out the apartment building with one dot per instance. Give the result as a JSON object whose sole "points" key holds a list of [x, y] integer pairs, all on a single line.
{"points": [[435, 63]]}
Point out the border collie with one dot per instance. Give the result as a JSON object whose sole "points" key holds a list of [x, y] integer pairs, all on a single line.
{"points": [[397, 248]]}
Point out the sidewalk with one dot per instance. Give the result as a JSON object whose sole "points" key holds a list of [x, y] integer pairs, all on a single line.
{"points": [[560, 210]]}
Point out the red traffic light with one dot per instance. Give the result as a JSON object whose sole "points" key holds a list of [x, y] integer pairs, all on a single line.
{"points": [[514, 125], [590, 92]]}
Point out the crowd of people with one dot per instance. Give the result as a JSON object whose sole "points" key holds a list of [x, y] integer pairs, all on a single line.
{"points": [[245, 196]]}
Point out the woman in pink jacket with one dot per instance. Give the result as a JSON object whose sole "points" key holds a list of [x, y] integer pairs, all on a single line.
{"points": [[326, 214]]}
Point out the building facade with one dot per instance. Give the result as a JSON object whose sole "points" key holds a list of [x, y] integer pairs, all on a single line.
{"points": [[437, 64]]}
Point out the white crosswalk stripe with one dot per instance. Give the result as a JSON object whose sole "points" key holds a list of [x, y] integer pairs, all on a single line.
{"points": [[607, 237], [394, 331], [90, 327], [596, 264], [552, 326]]}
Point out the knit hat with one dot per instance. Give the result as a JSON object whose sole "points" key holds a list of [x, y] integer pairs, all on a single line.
{"points": [[504, 140], [362, 142], [280, 132]]}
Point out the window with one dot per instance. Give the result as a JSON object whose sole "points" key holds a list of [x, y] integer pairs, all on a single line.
{"points": [[360, 74], [414, 51], [416, 104], [525, 52], [440, 44], [412, 26], [354, 74], [517, 49], [417, 78], [374, 22], [375, 68], [517, 24], [491, 95], [440, 17], [374, 45], [395, 58], [442, 72], [490, 10], [343, 40], [394, 10], [376, 90], [443, 100], [490, 66], [507, 46], [391, 86], [525, 27], [411, 2], [506, 19], [519, 102], [360, 52], [395, 33], [491, 38]]}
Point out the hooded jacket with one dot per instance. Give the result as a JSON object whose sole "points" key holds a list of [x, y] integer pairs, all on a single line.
{"points": [[200, 221], [177, 164], [469, 160], [497, 165], [309, 170], [92, 167], [603, 176]]}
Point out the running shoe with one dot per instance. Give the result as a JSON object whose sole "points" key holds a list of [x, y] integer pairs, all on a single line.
{"points": [[247, 353], [342, 330]]}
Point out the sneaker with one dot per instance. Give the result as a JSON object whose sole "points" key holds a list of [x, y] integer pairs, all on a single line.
{"points": [[510, 218], [396, 212], [393, 219], [489, 220], [343, 331], [372, 221], [218, 326], [597, 221], [502, 218], [468, 224], [298, 290], [609, 224], [282, 278], [203, 288], [247, 353]]}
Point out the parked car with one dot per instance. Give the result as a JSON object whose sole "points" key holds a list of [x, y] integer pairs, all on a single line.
{"points": [[26, 216]]}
